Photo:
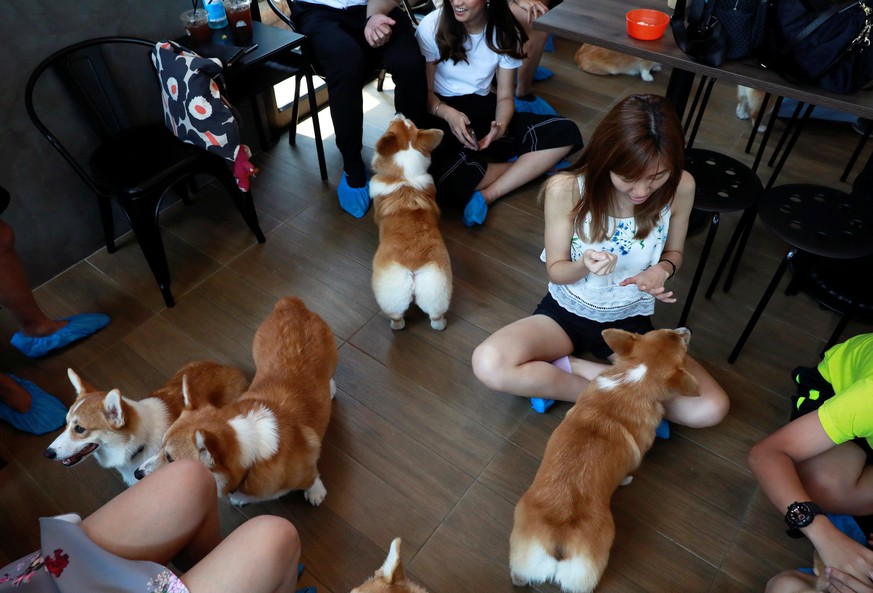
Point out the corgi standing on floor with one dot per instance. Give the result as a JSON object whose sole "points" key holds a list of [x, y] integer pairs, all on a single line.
{"points": [[412, 262], [390, 577], [120, 432], [268, 442], [563, 527], [602, 61]]}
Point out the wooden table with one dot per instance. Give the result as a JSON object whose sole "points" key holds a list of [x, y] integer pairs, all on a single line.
{"points": [[602, 23]]}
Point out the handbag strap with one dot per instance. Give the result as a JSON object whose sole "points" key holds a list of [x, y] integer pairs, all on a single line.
{"points": [[817, 22]]}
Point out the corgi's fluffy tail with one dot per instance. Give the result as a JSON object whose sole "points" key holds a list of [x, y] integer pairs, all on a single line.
{"points": [[574, 559]]}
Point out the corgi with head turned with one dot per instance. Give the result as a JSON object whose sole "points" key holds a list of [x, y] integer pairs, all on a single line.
{"points": [[412, 262], [268, 442], [603, 62], [390, 577], [563, 527], [121, 432]]}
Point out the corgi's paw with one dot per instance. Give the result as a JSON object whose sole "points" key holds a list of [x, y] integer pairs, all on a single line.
{"points": [[519, 581], [627, 480], [239, 501], [646, 76], [397, 324], [438, 324], [315, 494], [656, 67], [332, 388], [742, 111]]}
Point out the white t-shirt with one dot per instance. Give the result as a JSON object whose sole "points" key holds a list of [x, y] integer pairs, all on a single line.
{"points": [[469, 77], [341, 4], [600, 298]]}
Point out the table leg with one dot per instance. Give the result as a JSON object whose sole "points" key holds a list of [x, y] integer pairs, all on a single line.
{"points": [[679, 89]]}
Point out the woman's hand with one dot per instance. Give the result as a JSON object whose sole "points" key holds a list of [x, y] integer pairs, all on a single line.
{"points": [[651, 281], [533, 8], [494, 133], [459, 124], [841, 582], [599, 263]]}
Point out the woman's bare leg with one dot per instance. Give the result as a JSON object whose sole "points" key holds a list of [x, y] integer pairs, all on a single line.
{"points": [[259, 556], [170, 514], [791, 581], [707, 409], [533, 49], [528, 167], [517, 359]]}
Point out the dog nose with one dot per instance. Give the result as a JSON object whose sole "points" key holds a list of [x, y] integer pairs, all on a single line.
{"points": [[50, 453], [139, 474]]}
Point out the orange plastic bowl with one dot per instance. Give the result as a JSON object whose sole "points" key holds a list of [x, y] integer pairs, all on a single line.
{"points": [[646, 24]]}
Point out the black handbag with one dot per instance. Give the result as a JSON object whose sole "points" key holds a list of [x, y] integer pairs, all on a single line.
{"points": [[719, 30], [744, 23], [820, 43]]}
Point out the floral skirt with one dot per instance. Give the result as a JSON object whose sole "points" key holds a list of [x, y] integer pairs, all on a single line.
{"points": [[69, 562]]}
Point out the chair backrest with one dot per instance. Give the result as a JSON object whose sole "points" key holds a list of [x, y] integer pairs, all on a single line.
{"points": [[88, 72]]}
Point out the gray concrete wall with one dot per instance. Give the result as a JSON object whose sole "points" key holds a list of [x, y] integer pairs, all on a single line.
{"points": [[53, 213]]}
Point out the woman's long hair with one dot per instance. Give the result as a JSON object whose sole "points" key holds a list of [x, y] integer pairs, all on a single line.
{"points": [[451, 34], [637, 132]]}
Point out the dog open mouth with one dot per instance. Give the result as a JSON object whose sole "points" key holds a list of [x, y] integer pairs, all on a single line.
{"points": [[82, 454]]}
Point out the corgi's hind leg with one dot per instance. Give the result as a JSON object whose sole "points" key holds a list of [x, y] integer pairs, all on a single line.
{"points": [[332, 388], [315, 494], [433, 292], [529, 562], [393, 287]]}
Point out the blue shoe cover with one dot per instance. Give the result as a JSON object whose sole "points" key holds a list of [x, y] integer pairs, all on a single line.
{"points": [[299, 569], [476, 210], [354, 200], [46, 413], [307, 590], [79, 326], [550, 43], [663, 430], [541, 405], [563, 164], [537, 106], [541, 74]]}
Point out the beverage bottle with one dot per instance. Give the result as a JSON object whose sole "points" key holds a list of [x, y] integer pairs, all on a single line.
{"points": [[217, 16]]}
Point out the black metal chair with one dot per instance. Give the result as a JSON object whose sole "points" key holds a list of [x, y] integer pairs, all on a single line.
{"points": [[108, 103], [723, 184], [818, 221]]}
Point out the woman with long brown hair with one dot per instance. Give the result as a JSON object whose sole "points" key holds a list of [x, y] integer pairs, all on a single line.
{"points": [[615, 225]]}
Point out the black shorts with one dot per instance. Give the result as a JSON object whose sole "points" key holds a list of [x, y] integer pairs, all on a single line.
{"points": [[585, 333]]}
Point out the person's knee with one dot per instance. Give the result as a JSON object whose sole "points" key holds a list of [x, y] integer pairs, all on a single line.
{"points": [[716, 406], [192, 477], [278, 535], [7, 239], [489, 365]]}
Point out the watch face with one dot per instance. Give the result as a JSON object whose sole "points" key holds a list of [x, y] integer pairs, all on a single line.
{"points": [[801, 514]]}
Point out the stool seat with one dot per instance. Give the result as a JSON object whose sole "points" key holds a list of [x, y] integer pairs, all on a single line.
{"points": [[724, 184], [818, 219]]}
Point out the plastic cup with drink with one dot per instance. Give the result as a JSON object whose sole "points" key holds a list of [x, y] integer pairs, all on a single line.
{"points": [[239, 16], [197, 25]]}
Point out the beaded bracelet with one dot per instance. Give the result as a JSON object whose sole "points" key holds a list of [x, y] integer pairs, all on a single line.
{"points": [[672, 265]]}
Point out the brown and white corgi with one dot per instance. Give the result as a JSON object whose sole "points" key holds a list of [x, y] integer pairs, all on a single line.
{"points": [[268, 442], [412, 262], [389, 578], [121, 432], [749, 103], [563, 527], [602, 61]]}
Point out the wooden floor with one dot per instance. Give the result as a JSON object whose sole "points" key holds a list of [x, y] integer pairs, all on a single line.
{"points": [[417, 447]]}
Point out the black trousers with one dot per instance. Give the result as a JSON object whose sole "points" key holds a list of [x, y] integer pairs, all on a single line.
{"points": [[347, 61]]}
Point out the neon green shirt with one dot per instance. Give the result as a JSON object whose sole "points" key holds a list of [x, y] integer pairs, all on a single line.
{"points": [[848, 367]]}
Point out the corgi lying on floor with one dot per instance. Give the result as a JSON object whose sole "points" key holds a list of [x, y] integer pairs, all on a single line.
{"points": [[390, 578], [563, 527], [120, 432], [601, 61], [412, 262], [268, 442]]}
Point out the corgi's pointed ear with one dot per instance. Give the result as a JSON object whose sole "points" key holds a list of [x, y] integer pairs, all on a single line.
{"points": [[428, 140], [80, 385], [203, 441], [113, 408], [683, 383], [392, 568], [621, 342], [387, 144], [190, 403]]}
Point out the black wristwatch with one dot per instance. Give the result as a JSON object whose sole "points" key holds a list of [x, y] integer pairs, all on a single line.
{"points": [[800, 514]]}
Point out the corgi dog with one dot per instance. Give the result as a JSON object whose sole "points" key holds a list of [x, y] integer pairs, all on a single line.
{"points": [[602, 61], [563, 527], [412, 262], [749, 103], [390, 578], [121, 432], [268, 442]]}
